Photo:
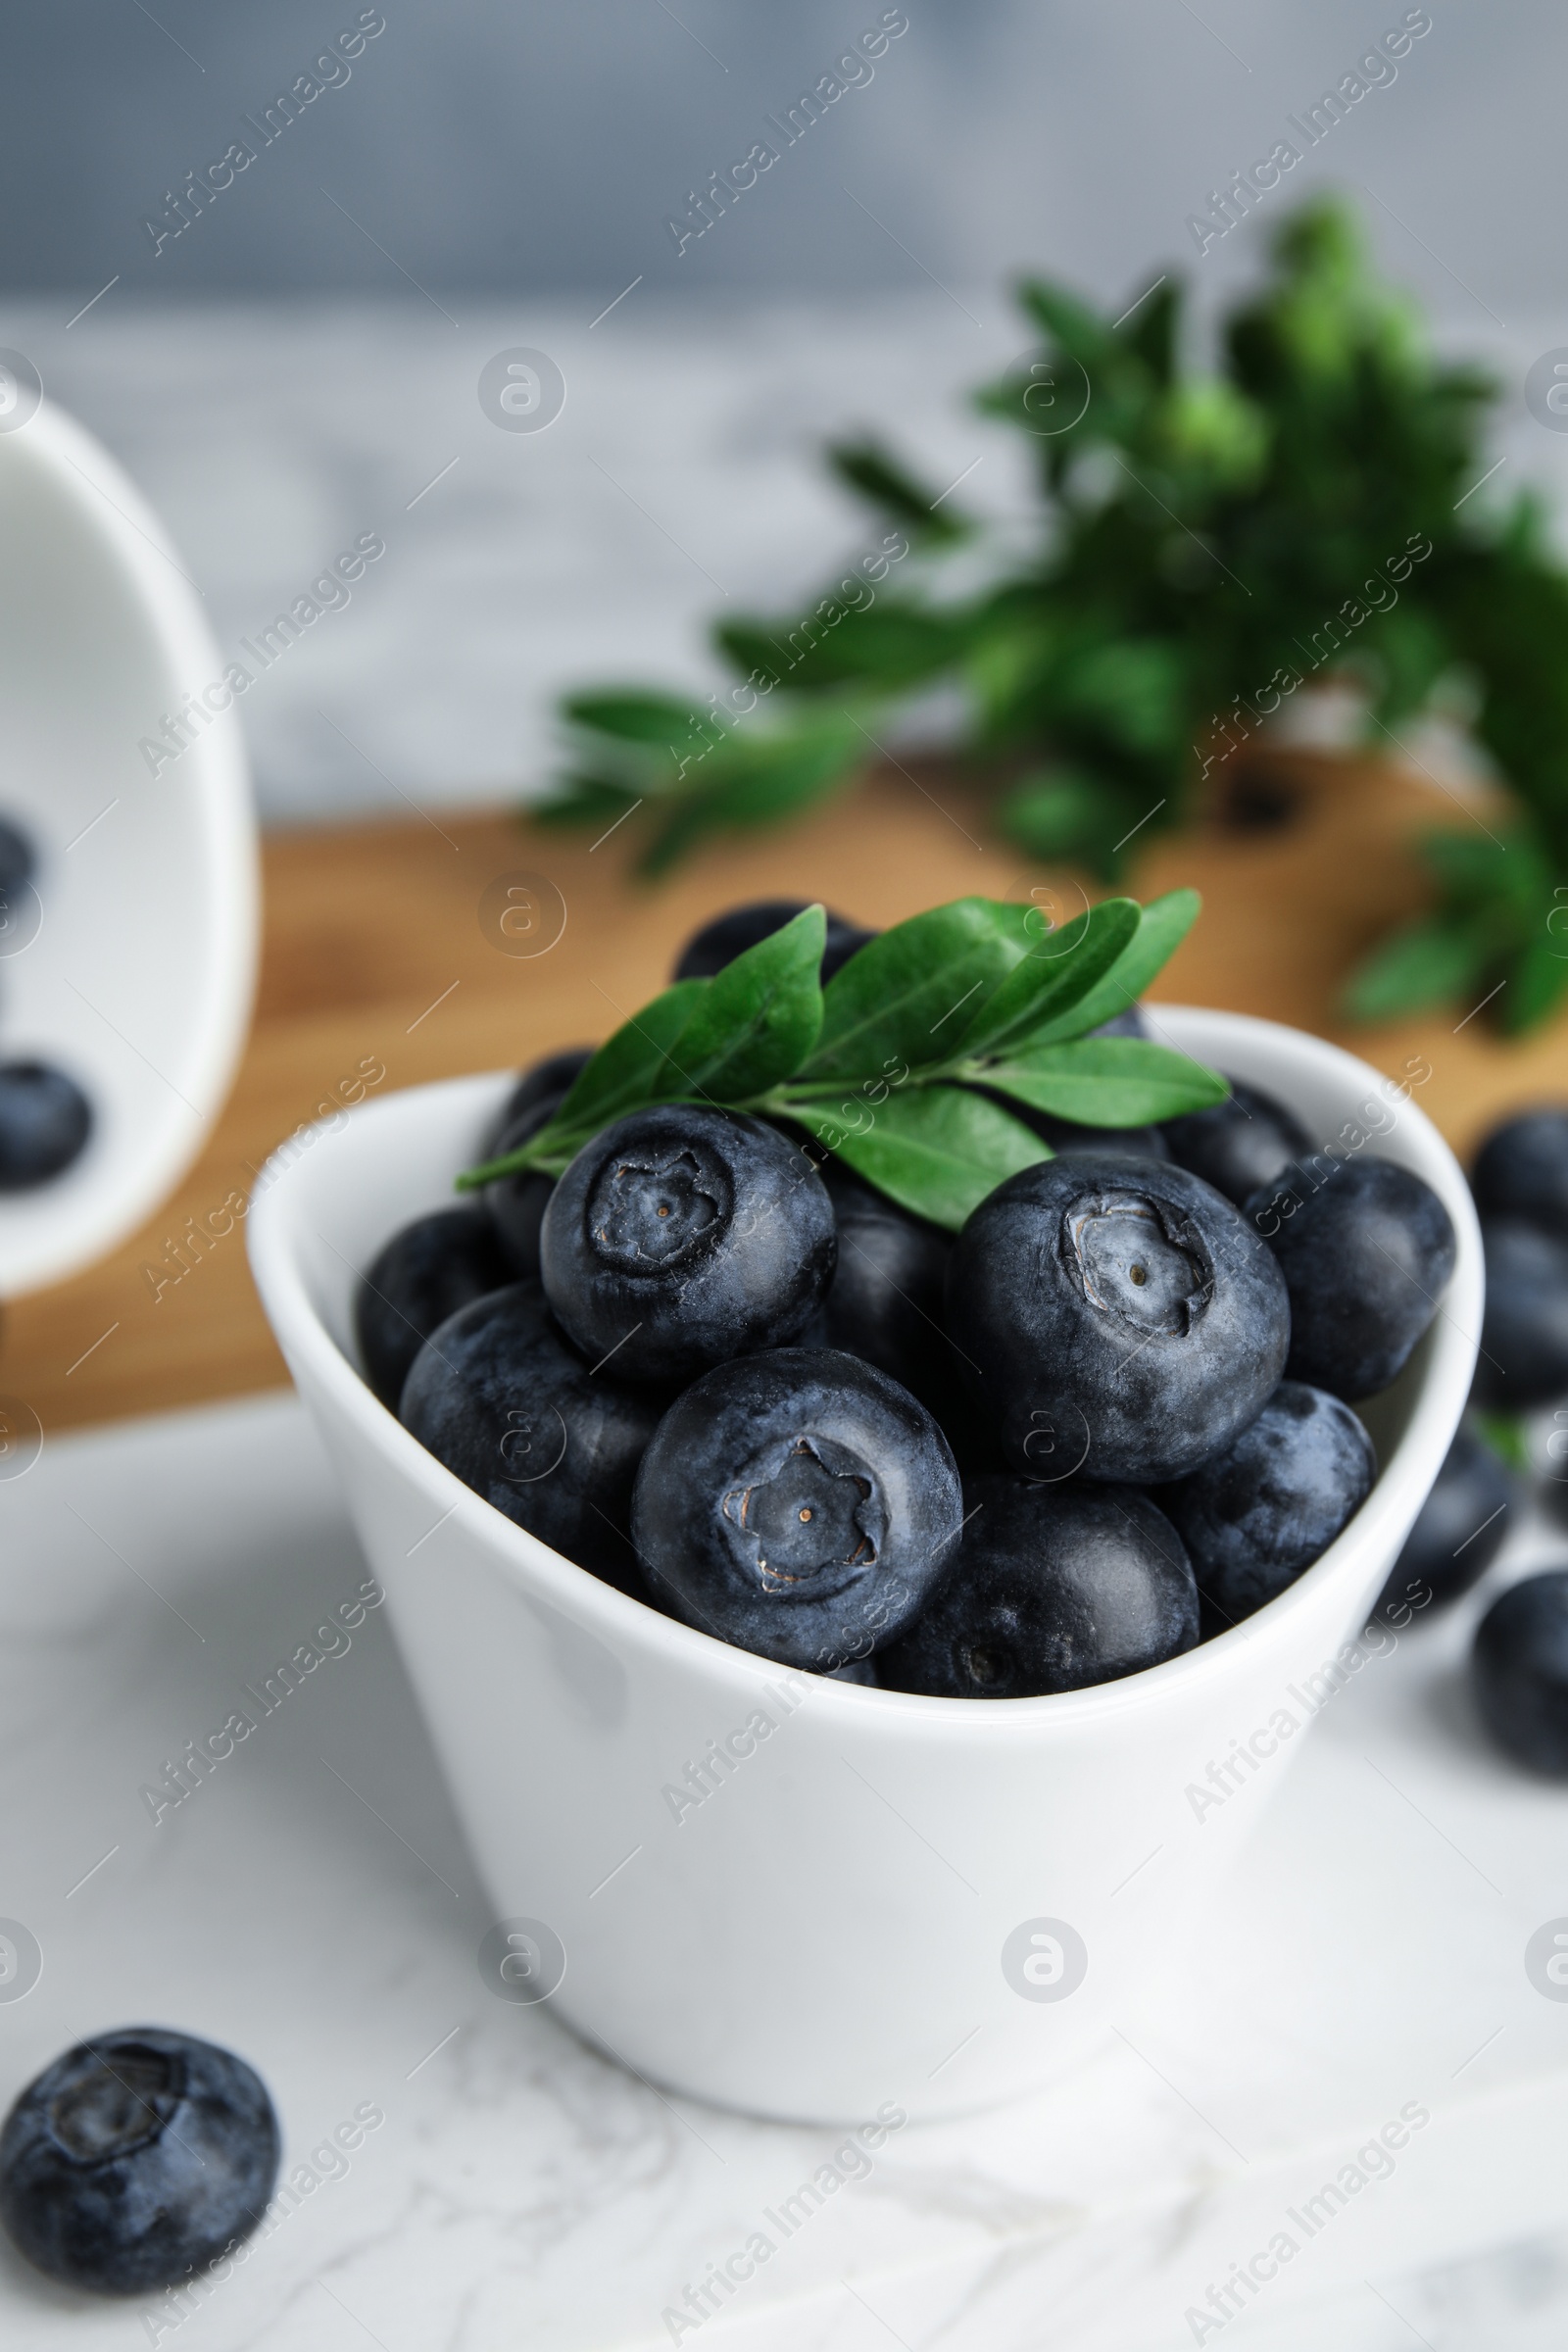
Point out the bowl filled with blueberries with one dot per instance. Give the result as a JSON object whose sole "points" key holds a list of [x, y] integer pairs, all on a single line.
{"points": [[848, 1453]]}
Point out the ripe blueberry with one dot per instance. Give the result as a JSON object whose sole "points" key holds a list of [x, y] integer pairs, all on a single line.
{"points": [[1522, 1172], [552, 1076], [45, 1120], [1459, 1530], [1130, 1302], [1524, 1330], [885, 1300], [729, 934], [798, 1504], [1255, 1516], [499, 1395], [1071, 1138], [1051, 1589], [1238, 1145], [685, 1235], [420, 1276], [136, 2158], [1519, 1672], [1367, 1251], [516, 1204]]}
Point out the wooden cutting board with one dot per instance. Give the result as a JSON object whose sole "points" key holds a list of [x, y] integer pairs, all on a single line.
{"points": [[397, 945]]}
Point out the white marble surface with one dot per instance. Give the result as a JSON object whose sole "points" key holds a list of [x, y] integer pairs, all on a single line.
{"points": [[681, 480], [312, 1904]]}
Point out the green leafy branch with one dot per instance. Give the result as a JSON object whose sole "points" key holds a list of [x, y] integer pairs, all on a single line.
{"points": [[1203, 546], [884, 1067]]}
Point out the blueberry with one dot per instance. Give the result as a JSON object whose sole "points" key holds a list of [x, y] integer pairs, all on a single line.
{"points": [[499, 1395], [423, 1274], [1053, 1588], [885, 1298], [798, 1504], [1522, 1172], [516, 1204], [1524, 1330], [1069, 1138], [1367, 1251], [1128, 1304], [1238, 1145], [1128, 1022], [684, 1235], [1519, 1672], [18, 861], [860, 1670], [1255, 1516], [45, 1119], [136, 2158], [1459, 1530], [729, 934], [552, 1076]]}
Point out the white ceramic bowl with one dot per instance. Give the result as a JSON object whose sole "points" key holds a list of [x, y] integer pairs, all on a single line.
{"points": [[133, 962], [849, 1916]]}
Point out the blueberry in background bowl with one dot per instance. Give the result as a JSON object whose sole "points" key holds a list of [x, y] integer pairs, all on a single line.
{"points": [[1238, 1145], [1519, 1672], [499, 1395], [1458, 1531], [731, 934], [1132, 1295], [1253, 1517], [1524, 1330], [684, 1235], [1521, 1170], [423, 1275], [136, 2159], [45, 1120], [798, 1504], [1051, 1589], [1367, 1251]]}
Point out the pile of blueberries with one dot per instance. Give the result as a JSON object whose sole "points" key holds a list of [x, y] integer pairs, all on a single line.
{"points": [[45, 1118], [1108, 1419]]}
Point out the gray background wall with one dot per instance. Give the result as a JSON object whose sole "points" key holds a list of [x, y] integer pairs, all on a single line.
{"points": [[305, 356]]}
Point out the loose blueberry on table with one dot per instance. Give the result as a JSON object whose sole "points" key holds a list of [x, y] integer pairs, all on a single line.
{"points": [[1458, 1531], [842, 1209], [1519, 1672], [136, 2159]]}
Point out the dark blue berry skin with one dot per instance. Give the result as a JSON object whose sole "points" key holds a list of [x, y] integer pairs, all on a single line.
{"points": [[1522, 1172], [1367, 1251], [1053, 1588], [1128, 1302], [499, 1395], [45, 1120], [18, 861], [885, 1300], [553, 1076], [1068, 1137], [1268, 1506], [1128, 1023], [1458, 1531], [798, 1504], [1238, 1145], [1524, 1330], [1519, 1672], [136, 2158], [516, 1204], [423, 1274], [685, 1235], [729, 934]]}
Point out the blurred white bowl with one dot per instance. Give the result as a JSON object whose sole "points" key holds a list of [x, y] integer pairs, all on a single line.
{"points": [[132, 962], [867, 1906]]}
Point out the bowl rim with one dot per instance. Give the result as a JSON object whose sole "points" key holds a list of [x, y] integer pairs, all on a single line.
{"points": [[540, 1574]]}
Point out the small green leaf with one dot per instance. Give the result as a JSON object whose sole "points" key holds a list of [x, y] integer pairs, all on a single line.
{"points": [[759, 1018], [937, 1150], [1109, 1082], [1058, 972], [631, 1068], [632, 715], [1164, 925], [1424, 966], [911, 994]]}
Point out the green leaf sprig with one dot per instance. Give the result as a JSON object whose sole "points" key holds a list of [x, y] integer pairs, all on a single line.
{"points": [[884, 1067]]}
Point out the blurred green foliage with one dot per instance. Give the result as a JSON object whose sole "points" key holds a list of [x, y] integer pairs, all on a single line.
{"points": [[1203, 547]]}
